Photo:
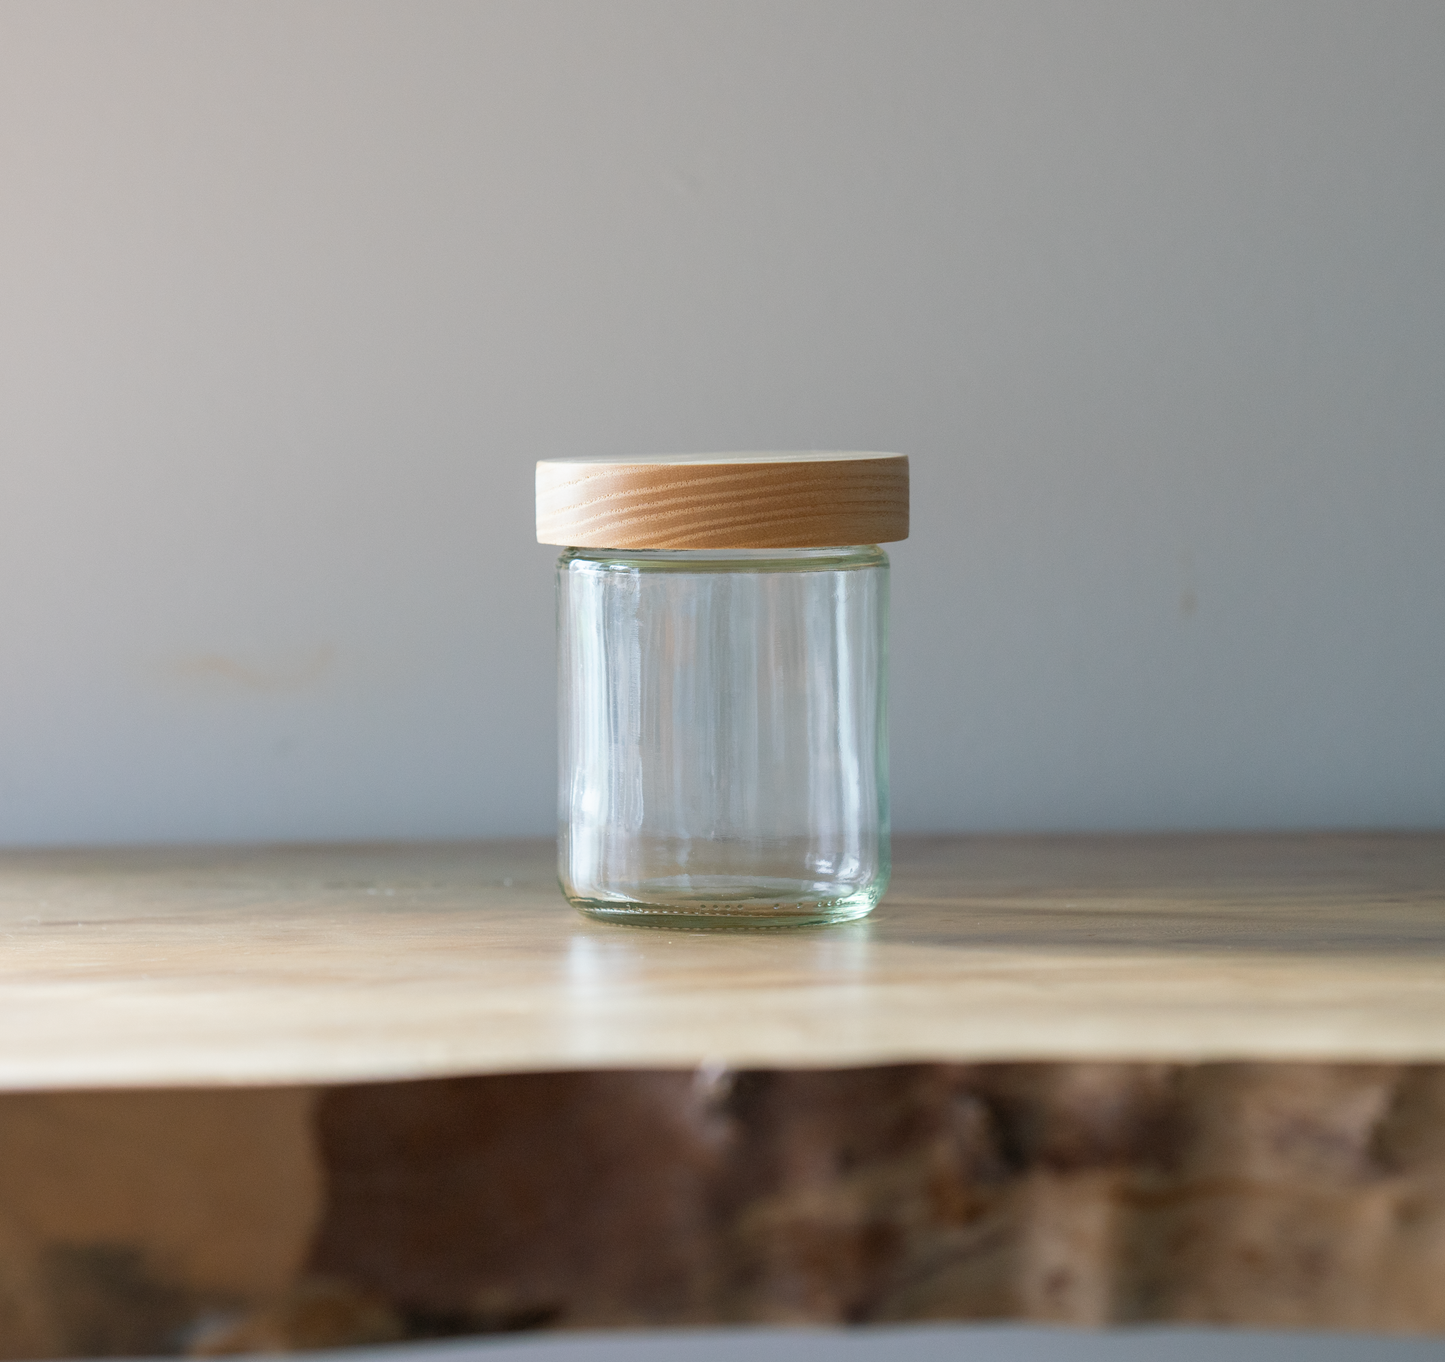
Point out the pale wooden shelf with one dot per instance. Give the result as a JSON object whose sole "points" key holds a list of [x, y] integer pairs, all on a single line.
{"points": [[993, 1099], [322, 965]]}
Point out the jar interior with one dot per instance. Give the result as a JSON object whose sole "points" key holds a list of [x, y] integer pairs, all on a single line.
{"points": [[723, 752]]}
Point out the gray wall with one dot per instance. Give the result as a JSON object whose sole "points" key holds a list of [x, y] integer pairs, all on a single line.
{"points": [[293, 294]]}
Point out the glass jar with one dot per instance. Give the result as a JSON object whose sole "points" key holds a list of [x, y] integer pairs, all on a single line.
{"points": [[723, 710]]}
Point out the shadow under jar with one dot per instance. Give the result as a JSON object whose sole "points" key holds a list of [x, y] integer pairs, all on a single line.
{"points": [[722, 653]]}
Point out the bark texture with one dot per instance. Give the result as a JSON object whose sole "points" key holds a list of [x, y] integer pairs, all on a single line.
{"points": [[1305, 1195], [1277, 1194]]}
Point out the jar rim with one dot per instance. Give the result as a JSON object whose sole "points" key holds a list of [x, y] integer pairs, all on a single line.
{"points": [[814, 559]]}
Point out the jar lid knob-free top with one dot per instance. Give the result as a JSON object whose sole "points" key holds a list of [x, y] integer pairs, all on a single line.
{"points": [[723, 501]]}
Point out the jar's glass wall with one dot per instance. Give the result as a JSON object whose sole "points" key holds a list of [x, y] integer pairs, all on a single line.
{"points": [[723, 753]]}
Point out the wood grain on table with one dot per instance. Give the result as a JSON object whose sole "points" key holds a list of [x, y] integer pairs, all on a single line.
{"points": [[1079, 1080], [165, 968]]}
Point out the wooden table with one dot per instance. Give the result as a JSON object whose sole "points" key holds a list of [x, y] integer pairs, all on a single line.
{"points": [[271, 1097]]}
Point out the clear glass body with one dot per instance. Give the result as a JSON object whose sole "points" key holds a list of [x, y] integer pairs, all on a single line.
{"points": [[723, 734]]}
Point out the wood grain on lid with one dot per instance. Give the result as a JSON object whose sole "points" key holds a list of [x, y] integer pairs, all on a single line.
{"points": [[723, 501]]}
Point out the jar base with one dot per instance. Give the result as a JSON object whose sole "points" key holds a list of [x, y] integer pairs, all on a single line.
{"points": [[763, 907]]}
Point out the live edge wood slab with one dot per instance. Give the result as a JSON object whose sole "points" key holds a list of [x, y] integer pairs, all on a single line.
{"points": [[312, 1096]]}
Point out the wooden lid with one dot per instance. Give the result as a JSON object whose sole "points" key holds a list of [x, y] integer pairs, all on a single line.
{"points": [[723, 501]]}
